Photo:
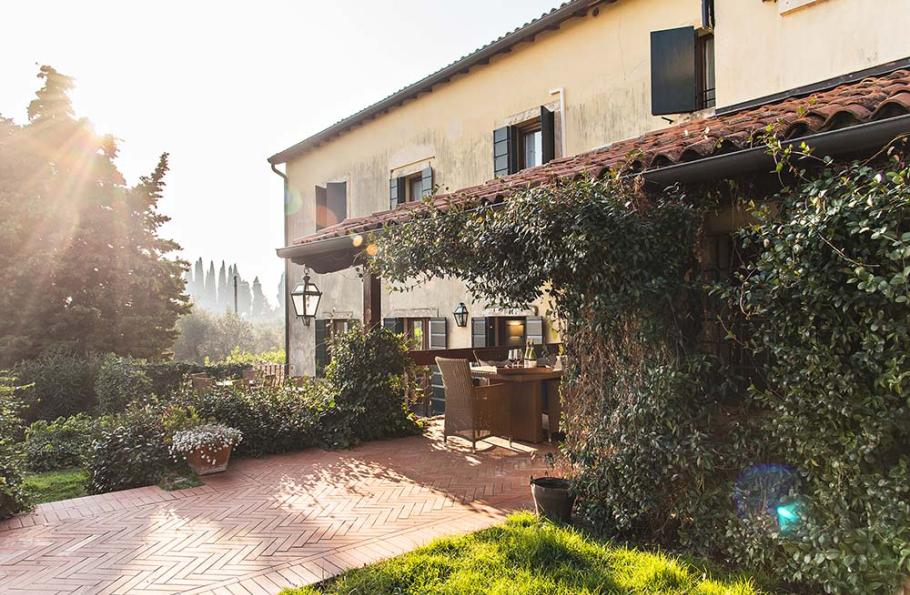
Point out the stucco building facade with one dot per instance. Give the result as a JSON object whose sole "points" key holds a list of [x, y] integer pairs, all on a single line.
{"points": [[586, 75]]}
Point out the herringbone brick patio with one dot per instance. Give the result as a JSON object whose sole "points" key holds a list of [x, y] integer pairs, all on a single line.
{"points": [[267, 523]]}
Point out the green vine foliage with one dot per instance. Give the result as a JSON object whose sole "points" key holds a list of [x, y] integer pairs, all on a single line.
{"points": [[666, 443], [648, 417], [829, 303]]}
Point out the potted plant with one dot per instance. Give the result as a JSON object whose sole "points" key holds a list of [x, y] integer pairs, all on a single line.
{"points": [[206, 448], [553, 497]]}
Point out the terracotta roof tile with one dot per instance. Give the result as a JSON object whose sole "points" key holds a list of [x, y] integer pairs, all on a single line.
{"points": [[870, 99]]}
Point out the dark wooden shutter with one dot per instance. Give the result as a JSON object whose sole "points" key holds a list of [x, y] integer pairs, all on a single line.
{"points": [[707, 14], [396, 325], [426, 182], [548, 135], [397, 192], [534, 329], [322, 352], [505, 151], [479, 333], [439, 333], [674, 71], [321, 209], [336, 202]]}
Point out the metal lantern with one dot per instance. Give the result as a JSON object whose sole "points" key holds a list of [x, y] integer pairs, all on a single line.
{"points": [[461, 314], [305, 298]]}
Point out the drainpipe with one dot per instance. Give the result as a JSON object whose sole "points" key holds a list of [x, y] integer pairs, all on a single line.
{"points": [[562, 117], [287, 276]]}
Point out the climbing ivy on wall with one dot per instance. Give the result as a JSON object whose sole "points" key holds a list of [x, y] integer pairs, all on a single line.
{"points": [[799, 470]]}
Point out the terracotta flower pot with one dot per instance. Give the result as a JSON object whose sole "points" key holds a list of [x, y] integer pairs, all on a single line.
{"points": [[205, 461]]}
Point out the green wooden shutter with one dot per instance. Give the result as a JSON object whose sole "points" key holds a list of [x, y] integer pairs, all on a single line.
{"points": [[439, 333], [534, 330], [321, 209], [396, 192], [479, 333], [396, 325], [674, 71], [322, 352], [426, 182], [548, 135], [505, 151]]}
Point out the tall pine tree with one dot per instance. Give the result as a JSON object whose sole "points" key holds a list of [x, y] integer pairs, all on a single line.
{"points": [[80, 255]]}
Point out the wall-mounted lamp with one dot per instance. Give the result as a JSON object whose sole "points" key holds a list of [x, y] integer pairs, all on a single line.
{"points": [[305, 298], [461, 314]]}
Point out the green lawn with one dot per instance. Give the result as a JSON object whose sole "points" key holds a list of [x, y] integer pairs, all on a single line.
{"points": [[530, 556], [57, 485]]}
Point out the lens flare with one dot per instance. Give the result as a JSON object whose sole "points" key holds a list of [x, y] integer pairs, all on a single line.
{"points": [[768, 491]]}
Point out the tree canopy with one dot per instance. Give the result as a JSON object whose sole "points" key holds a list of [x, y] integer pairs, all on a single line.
{"points": [[80, 253]]}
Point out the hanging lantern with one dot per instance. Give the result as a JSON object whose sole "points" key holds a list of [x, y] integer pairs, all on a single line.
{"points": [[305, 298], [461, 314]]}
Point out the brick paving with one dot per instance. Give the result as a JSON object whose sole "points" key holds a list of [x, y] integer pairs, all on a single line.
{"points": [[268, 523]]}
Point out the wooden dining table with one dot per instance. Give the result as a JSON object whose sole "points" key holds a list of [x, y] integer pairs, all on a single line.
{"points": [[533, 392]]}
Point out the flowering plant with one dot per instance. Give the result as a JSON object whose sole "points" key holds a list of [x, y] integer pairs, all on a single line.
{"points": [[208, 438]]}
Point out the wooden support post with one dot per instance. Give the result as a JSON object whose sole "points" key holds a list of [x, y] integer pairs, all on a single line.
{"points": [[372, 301]]}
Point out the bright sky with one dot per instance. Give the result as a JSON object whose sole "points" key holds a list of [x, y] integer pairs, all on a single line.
{"points": [[223, 85]]}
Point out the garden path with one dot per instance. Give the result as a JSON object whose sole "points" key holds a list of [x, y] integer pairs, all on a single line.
{"points": [[268, 523]]}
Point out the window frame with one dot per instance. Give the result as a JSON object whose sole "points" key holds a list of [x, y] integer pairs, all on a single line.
{"points": [[534, 126], [706, 81]]}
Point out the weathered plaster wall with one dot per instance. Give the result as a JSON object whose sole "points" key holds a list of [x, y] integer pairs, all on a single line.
{"points": [[603, 65], [761, 51]]}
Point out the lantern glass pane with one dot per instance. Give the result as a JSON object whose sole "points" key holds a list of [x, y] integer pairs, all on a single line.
{"points": [[297, 300]]}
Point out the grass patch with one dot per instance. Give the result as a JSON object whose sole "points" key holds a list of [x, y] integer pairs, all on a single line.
{"points": [[530, 556], [51, 486]]}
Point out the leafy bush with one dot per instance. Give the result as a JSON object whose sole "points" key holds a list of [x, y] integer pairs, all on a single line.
{"points": [[238, 356], [369, 382], [62, 443], [169, 377], [829, 297], [272, 419], [60, 383], [13, 497], [131, 450], [120, 380]]}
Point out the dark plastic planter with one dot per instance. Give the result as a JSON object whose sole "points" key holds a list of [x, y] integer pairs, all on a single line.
{"points": [[552, 498]]}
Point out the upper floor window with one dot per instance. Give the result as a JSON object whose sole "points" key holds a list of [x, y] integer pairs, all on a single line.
{"points": [[331, 204], [682, 71], [411, 187], [528, 144]]}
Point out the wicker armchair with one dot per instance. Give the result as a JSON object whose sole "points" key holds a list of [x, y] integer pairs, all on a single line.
{"points": [[473, 412]]}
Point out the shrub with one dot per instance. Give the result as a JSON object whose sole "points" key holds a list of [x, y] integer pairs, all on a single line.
{"points": [[370, 379], [829, 297], [272, 419], [65, 442], [169, 377], [60, 383], [120, 380], [131, 450], [13, 497]]}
